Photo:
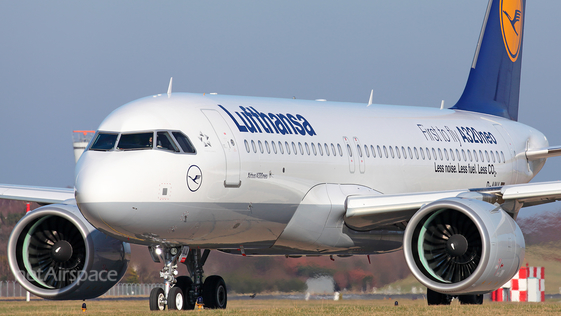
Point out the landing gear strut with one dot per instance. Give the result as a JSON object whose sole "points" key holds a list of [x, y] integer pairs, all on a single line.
{"points": [[182, 292], [435, 298], [171, 296]]}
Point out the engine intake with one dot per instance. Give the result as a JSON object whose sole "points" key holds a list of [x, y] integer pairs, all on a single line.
{"points": [[463, 246], [56, 254]]}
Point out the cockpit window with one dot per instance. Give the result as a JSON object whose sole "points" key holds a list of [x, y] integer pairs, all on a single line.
{"points": [[136, 141], [184, 142], [164, 141], [104, 142]]}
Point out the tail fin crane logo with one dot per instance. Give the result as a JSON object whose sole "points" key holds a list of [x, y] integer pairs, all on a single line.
{"points": [[513, 21], [511, 16]]}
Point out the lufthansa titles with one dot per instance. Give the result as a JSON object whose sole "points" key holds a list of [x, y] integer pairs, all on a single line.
{"points": [[250, 120]]}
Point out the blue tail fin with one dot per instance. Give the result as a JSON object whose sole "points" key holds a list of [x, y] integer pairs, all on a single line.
{"points": [[494, 80]]}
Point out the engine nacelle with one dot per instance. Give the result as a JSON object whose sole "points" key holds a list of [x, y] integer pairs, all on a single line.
{"points": [[463, 246], [56, 254]]}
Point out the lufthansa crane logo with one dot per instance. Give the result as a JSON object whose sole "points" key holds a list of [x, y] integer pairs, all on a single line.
{"points": [[194, 178], [512, 15]]}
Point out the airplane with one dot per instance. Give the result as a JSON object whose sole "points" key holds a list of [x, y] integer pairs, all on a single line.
{"points": [[187, 173]]}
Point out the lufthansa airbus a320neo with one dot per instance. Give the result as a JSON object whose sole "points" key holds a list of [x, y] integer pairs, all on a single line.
{"points": [[189, 173]]}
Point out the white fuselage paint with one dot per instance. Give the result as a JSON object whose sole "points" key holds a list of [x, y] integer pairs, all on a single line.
{"points": [[247, 197]]}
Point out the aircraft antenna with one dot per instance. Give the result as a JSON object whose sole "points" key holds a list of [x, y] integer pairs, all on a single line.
{"points": [[442, 105], [169, 87], [371, 95]]}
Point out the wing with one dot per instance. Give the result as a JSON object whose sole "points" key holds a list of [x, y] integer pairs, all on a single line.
{"points": [[41, 195], [369, 212]]}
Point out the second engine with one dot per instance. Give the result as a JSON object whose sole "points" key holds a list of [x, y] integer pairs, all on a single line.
{"points": [[463, 246]]}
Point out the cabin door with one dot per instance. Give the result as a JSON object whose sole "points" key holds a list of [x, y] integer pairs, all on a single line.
{"points": [[229, 147]]}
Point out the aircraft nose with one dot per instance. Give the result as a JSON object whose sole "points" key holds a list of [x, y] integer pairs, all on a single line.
{"points": [[101, 191]]}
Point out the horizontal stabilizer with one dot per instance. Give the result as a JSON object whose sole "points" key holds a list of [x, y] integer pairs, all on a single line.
{"points": [[535, 154]]}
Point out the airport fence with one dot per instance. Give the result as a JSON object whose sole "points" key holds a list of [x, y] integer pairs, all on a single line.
{"points": [[14, 289], [128, 289], [11, 289]]}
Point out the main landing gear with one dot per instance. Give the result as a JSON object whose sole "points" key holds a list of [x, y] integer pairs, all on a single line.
{"points": [[182, 292], [435, 298]]}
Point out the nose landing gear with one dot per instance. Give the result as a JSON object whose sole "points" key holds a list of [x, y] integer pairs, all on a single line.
{"points": [[183, 292]]}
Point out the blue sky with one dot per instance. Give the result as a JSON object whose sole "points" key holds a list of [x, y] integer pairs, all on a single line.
{"points": [[65, 65]]}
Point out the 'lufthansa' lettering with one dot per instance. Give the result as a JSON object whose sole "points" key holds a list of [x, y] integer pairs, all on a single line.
{"points": [[250, 120]]}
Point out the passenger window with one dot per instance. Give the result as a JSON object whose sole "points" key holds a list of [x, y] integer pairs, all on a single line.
{"points": [[307, 148], [411, 153], [260, 146], [349, 150], [274, 147], [475, 156], [391, 152], [136, 141], [487, 156], [319, 148], [464, 154], [446, 154], [267, 147], [385, 152], [287, 148], [164, 141], [404, 152], [379, 151], [340, 150], [104, 142], [498, 157], [253, 146], [428, 152], [416, 152], [469, 155], [294, 148], [452, 155], [301, 148], [373, 151], [246, 145], [492, 156], [333, 149], [184, 142], [481, 156], [280, 148], [503, 156], [359, 150], [422, 152], [326, 149]]}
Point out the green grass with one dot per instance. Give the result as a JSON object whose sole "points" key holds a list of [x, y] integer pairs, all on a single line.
{"points": [[284, 308]]}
